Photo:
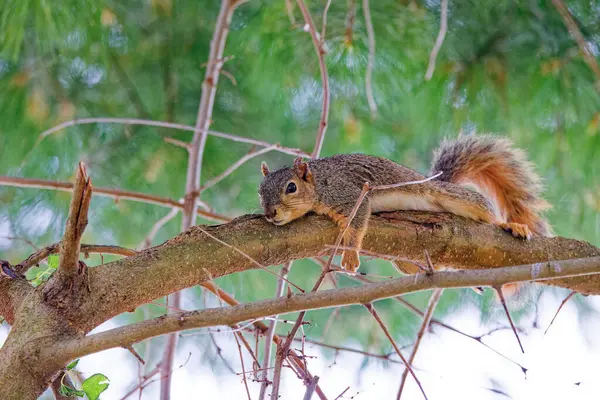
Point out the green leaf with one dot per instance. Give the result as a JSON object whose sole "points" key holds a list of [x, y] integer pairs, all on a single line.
{"points": [[94, 385], [53, 261], [70, 392], [72, 364]]}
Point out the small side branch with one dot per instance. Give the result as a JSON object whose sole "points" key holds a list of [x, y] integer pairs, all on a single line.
{"points": [[375, 315], [433, 302], [310, 26], [439, 40]]}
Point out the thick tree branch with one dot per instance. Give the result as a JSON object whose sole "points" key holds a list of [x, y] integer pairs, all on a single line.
{"points": [[131, 334], [192, 258]]}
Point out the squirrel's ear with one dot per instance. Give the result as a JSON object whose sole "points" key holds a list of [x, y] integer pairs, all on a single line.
{"points": [[302, 170], [264, 168]]}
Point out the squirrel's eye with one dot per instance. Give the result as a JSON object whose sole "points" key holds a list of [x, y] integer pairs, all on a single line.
{"points": [[291, 188]]}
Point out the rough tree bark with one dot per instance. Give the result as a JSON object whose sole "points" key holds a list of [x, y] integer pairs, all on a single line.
{"points": [[192, 257]]}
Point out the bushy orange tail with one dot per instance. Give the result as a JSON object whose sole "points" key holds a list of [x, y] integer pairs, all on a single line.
{"points": [[498, 171]]}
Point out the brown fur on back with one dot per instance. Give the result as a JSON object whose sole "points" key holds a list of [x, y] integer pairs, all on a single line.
{"points": [[500, 172]]}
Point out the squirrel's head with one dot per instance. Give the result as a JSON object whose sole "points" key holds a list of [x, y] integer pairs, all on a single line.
{"points": [[288, 193]]}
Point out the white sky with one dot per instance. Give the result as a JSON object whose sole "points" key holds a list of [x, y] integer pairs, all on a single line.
{"points": [[448, 365]]}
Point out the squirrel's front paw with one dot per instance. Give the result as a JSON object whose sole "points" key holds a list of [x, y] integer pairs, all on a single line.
{"points": [[350, 262]]}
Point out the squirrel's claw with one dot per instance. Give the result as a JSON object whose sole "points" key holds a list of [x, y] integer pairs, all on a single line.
{"points": [[350, 262], [518, 230]]}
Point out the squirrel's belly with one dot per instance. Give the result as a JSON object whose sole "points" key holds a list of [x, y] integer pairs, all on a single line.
{"points": [[394, 201]]}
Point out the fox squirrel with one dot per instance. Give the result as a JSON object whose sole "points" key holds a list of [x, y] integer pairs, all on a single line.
{"points": [[507, 189]]}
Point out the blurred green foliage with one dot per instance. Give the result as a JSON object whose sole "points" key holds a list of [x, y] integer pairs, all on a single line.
{"points": [[508, 67]]}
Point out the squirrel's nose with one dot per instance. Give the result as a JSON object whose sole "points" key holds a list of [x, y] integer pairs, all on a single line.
{"points": [[270, 212]]}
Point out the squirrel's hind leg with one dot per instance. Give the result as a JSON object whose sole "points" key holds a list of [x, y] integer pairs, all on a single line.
{"points": [[470, 204]]}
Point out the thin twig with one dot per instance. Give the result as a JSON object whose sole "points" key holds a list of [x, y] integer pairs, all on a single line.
{"points": [[243, 368], [386, 357], [324, 24], [350, 18], [371, 62], [116, 194], [263, 377], [439, 40], [44, 253], [498, 290], [135, 354], [575, 32], [178, 143], [235, 166], [162, 124], [156, 227], [478, 339], [289, 6], [341, 394], [295, 360], [310, 388], [282, 351], [375, 314], [433, 302], [310, 26], [259, 265], [573, 293]]}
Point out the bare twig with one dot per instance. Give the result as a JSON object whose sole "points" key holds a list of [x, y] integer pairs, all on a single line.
{"points": [[478, 339], [156, 227], [178, 143], [343, 392], [350, 18], [433, 301], [263, 377], [282, 351], [243, 368], [259, 265], [142, 383], [162, 124], [135, 354], [498, 290], [575, 32], [235, 166], [310, 26], [289, 6], [116, 194], [439, 40], [386, 357], [310, 388], [371, 62], [375, 314], [324, 24], [573, 293]]}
